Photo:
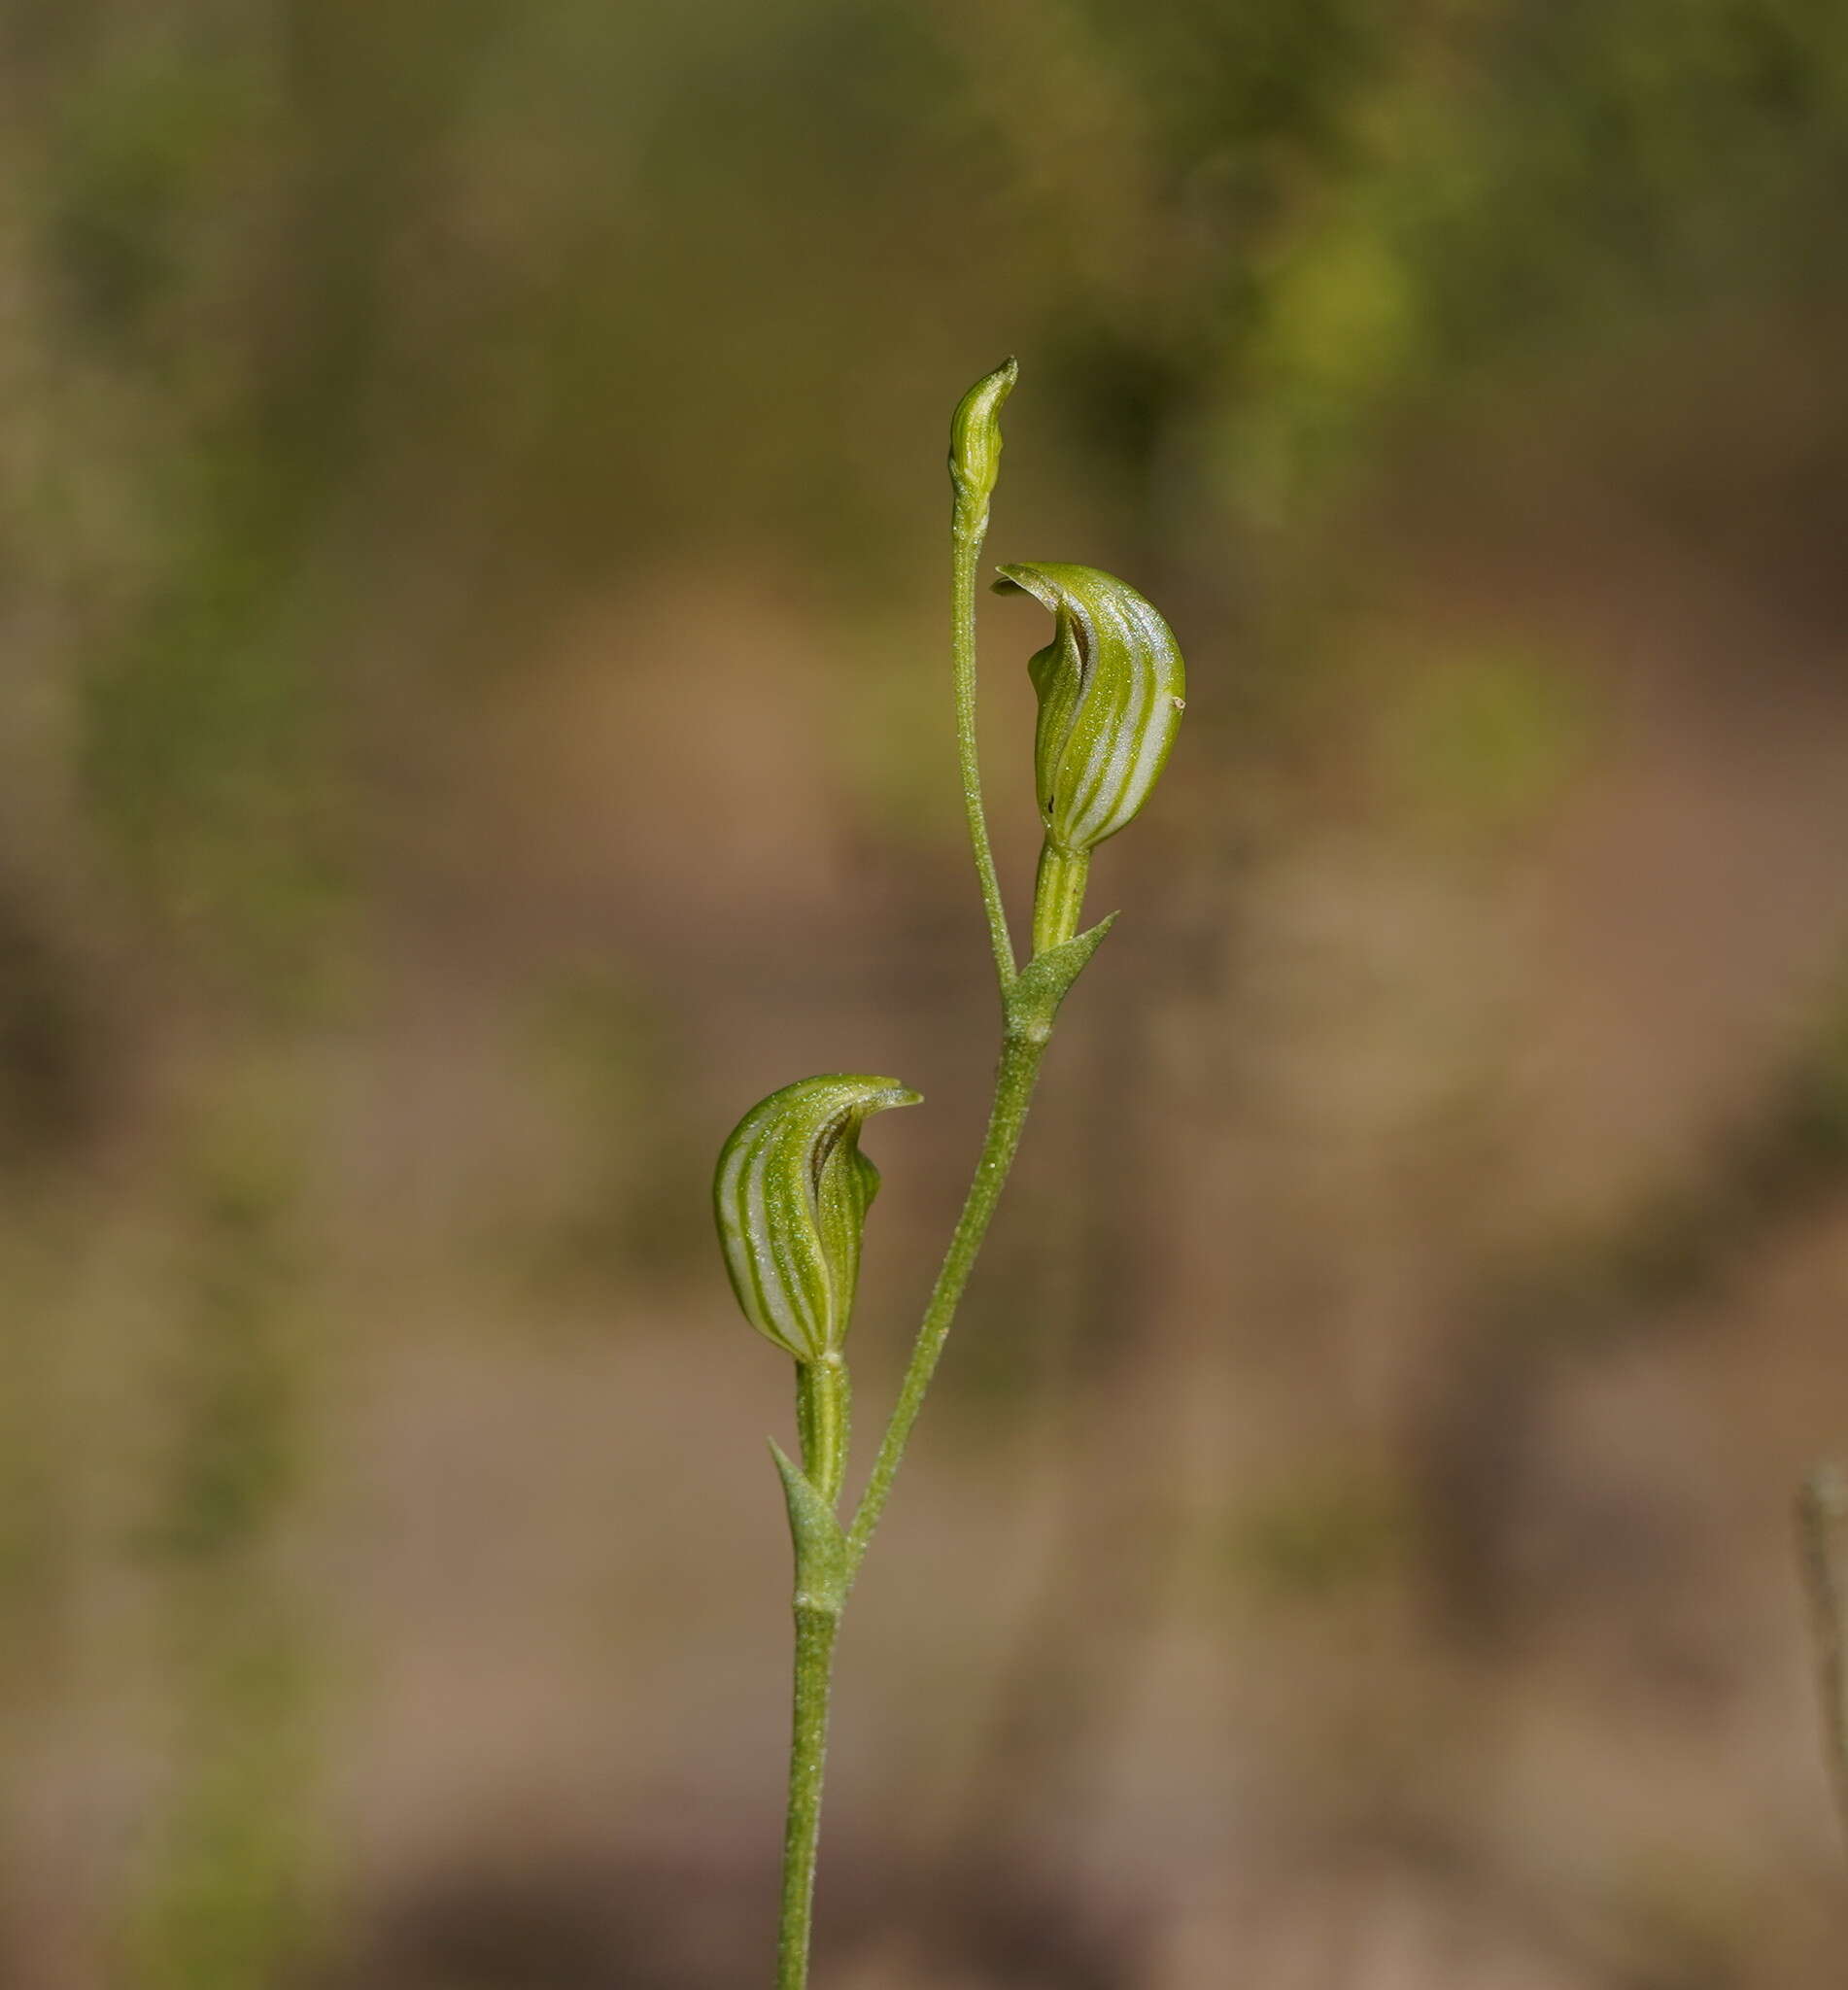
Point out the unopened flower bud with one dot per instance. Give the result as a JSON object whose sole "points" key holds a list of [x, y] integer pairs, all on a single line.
{"points": [[791, 1196], [975, 439]]}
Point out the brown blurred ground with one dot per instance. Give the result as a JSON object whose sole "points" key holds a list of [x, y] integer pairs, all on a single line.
{"points": [[473, 717]]}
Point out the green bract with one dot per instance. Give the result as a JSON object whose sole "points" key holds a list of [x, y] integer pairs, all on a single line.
{"points": [[791, 1197], [975, 438], [1111, 688]]}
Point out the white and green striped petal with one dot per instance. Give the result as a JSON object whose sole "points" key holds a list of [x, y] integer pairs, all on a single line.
{"points": [[1111, 687], [791, 1196]]}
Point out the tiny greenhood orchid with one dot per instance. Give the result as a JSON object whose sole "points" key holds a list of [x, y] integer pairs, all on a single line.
{"points": [[791, 1196], [1111, 688], [792, 1189]]}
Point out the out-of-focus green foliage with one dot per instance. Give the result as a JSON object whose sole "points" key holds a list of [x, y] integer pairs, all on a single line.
{"points": [[1321, 1538], [333, 304], [219, 1899], [1481, 744], [460, 520]]}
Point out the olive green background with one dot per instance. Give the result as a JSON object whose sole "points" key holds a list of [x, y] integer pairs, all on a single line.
{"points": [[474, 716]]}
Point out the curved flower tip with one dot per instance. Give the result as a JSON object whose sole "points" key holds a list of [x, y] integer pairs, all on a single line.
{"points": [[1111, 688], [791, 1196], [975, 438]]}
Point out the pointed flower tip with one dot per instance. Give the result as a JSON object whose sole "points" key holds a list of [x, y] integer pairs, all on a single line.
{"points": [[974, 436], [1111, 688], [790, 1197]]}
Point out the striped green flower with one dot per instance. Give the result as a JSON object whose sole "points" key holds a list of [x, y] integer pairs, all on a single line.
{"points": [[1111, 688], [791, 1196]]}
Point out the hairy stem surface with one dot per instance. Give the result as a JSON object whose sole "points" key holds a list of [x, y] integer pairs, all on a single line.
{"points": [[966, 537], [1015, 1081], [1058, 898], [823, 1419], [815, 1631], [822, 1410]]}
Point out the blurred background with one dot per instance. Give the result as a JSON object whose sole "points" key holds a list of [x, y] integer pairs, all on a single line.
{"points": [[473, 718]]}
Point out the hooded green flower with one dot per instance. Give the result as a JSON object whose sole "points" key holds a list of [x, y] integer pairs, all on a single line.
{"points": [[1112, 688], [791, 1197]]}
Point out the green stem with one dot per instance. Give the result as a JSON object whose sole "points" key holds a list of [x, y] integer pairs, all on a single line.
{"points": [[815, 1626], [824, 1400], [815, 1631], [822, 1389], [1058, 895], [1019, 1068], [968, 529]]}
